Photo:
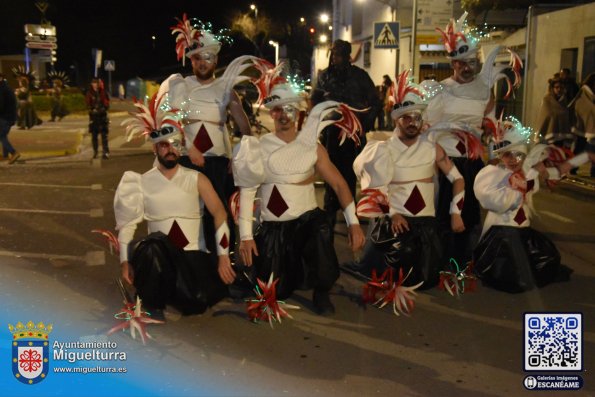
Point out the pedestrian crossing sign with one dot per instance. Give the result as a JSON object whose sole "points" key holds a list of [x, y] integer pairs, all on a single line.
{"points": [[386, 34]]}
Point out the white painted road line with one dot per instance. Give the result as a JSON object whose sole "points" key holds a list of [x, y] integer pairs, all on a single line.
{"points": [[96, 186], [94, 213], [91, 258], [557, 216]]}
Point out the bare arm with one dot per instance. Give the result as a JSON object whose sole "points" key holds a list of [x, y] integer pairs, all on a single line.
{"points": [[458, 186], [331, 175], [216, 208], [238, 114]]}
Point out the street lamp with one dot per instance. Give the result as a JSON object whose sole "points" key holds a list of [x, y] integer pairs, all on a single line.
{"points": [[276, 45], [153, 40], [255, 9], [324, 18], [323, 38], [303, 20]]}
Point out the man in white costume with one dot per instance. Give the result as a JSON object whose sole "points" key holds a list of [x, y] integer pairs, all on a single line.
{"points": [[455, 115], [204, 102], [293, 241], [171, 265], [511, 256], [405, 164]]}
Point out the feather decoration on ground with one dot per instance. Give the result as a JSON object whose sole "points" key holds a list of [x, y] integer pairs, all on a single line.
{"points": [[459, 281], [270, 75], [265, 306], [349, 125], [373, 204], [150, 116], [135, 319], [112, 240], [393, 292]]}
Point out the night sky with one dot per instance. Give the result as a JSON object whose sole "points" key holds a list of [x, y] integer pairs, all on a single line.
{"points": [[123, 30]]}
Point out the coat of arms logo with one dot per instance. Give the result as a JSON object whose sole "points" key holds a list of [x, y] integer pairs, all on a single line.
{"points": [[30, 351]]}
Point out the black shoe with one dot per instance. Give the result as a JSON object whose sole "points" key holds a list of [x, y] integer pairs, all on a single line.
{"points": [[105, 156], [95, 155], [322, 303]]}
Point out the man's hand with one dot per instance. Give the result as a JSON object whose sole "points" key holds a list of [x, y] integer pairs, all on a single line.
{"points": [[247, 248], [456, 223], [518, 182], [356, 237], [127, 272], [225, 271], [196, 156], [400, 224]]}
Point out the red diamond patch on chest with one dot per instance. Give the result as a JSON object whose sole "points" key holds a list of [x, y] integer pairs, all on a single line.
{"points": [[415, 202], [277, 204], [520, 216], [203, 141], [461, 147], [176, 236]]}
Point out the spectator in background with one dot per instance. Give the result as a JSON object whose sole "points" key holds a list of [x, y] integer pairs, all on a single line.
{"points": [[584, 117], [98, 103], [8, 115], [59, 83], [380, 111], [346, 83], [387, 105], [569, 83], [553, 123], [27, 115]]}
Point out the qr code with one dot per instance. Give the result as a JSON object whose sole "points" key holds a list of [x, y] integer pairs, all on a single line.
{"points": [[553, 341]]}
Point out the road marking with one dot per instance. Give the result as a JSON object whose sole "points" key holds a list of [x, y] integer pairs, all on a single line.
{"points": [[91, 258], [557, 216], [94, 213], [96, 186]]}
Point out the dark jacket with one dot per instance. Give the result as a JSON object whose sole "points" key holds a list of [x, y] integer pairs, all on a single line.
{"points": [[8, 103], [352, 86]]}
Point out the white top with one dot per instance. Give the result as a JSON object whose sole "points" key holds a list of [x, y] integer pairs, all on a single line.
{"points": [[505, 205], [400, 167], [159, 201]]}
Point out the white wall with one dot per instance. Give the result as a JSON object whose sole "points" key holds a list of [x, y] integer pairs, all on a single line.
{"points": [[553, 32]]}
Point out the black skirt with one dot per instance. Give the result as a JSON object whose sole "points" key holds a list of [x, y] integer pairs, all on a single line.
{"points": [[420, 249], [516, 259], [165, 274], [299, 252]]}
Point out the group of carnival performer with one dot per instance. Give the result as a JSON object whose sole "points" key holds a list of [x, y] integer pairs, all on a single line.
{"points": [[294, 240], [27, 116], [281, 168], [510, 255]]}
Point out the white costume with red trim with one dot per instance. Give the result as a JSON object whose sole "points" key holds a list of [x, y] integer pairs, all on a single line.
{"points": [[168, 206], [505, 205], [204, 106], [400, 167]]}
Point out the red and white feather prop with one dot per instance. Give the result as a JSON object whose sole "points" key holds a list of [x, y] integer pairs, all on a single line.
{"points": [[450, 35], [373, 204], [392, 292], [270, 76], [515, 64], [187, 36], [265, 306], [150, 117], [349, 125], [401, 87], [472, 143], [135, 319], [112, 240]]}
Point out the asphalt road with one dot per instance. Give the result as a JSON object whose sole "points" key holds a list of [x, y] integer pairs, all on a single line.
{"points": [[468, 346]]}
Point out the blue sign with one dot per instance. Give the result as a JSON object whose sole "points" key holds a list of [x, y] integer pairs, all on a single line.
{"points": [[386, 35]]}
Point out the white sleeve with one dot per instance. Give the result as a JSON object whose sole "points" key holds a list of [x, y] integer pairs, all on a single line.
{"points": [[493, 190], [175, 87], [128, 209], [248, 168], [373, 166], [434, 112], [247, 196]]}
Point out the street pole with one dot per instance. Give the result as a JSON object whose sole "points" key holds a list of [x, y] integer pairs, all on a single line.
{"points": [[413, 37], [109, 82]]}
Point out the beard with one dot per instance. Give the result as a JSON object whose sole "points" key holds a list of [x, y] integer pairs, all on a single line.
{"points": [[204, 74], [169, 161]]}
